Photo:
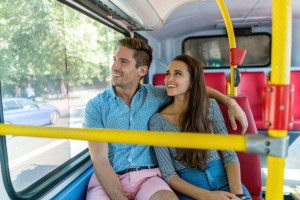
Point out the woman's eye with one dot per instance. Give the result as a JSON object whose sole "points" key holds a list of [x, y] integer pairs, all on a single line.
{"points": [[167, 74]]}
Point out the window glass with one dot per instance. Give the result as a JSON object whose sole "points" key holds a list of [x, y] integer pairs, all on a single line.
{"points": [[213, 52], [11, 105], [54, 59]]}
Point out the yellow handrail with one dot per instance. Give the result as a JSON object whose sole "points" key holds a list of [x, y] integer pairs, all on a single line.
{"points": [[281, 62], [232, 44], [184, 140]]}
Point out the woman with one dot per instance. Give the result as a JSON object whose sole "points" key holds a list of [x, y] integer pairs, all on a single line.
{"points": [[193, 173]]}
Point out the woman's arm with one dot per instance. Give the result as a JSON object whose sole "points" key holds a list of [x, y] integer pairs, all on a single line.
{"points": [[178, 184], [230, 159], [234, 110], [234, 178]]}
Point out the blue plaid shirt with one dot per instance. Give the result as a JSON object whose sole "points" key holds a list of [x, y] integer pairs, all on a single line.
{"points": [[109, 111]]}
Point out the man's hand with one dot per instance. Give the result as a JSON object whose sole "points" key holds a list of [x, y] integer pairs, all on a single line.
{"points": [[235, 112]]}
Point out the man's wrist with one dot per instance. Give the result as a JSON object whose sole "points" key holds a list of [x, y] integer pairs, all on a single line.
{"points": [[229, 102]]}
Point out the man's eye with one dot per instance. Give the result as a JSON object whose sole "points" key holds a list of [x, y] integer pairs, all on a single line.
{"points": [[167, 74], [178, 73]]}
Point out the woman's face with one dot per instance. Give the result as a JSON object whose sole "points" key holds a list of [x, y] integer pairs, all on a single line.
{"points": [[178, 79]]}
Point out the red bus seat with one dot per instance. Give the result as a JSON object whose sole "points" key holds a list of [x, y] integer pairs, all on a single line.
{"points": [[249, 163], [251, 85], [159, 79], [295, 79], [216, 80]]}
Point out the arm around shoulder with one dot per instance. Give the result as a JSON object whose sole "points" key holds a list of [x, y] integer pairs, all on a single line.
{"points": [[235, 112]]}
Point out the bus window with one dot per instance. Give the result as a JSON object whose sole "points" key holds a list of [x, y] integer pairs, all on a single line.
{"points": [[213, 50], [54, 59]]}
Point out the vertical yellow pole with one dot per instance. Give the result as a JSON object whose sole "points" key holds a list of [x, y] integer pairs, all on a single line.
{"points": [[231, 39], [281, 61]]}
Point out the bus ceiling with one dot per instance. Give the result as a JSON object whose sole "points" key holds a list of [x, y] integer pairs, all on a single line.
{"points": [[184, 16]]}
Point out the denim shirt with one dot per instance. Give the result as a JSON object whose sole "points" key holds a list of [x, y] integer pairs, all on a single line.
{"points": [[109, 111]]}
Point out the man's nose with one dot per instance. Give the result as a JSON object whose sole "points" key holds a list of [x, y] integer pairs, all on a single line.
{"points": [[115, 65]]}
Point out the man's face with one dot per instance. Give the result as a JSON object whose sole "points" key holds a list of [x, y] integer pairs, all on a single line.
{"points": [[124, 72]]}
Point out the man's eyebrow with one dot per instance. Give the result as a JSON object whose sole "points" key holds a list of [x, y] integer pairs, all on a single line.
{"points": [[124, 59]]}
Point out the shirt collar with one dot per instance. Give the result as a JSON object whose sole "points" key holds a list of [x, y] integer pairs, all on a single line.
{"points": [[113, 94]]}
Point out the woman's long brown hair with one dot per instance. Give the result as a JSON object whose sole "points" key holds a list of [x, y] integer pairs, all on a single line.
{"points": [[196, 117]]}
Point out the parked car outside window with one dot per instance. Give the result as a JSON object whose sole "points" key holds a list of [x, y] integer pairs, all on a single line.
{"points": [[23, 111]]}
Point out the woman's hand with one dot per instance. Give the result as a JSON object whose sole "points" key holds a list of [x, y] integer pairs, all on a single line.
{"points": [[220, 195]]}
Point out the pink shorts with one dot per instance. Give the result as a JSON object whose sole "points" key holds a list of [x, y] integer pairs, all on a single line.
{"points": [[139, 185]]}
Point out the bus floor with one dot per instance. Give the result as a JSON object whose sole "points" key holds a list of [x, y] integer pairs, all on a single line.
{"points": [[292, 167]]}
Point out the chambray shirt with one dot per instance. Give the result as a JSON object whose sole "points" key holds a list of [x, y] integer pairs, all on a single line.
{"points": [[109, 111]]}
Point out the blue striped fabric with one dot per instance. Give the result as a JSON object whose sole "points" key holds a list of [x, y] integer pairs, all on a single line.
{"points": [[166, 156]]}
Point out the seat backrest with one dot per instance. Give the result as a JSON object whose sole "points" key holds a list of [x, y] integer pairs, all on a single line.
{"points": [[295, 79], [216, 80], [159, 79], [249, 163], [252, 85], [77, 188]]}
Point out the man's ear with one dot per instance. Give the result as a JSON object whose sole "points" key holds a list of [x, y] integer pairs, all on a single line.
{"points": [[143, 70]]}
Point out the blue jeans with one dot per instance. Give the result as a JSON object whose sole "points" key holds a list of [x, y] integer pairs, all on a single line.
{"points": [[213, 178]]}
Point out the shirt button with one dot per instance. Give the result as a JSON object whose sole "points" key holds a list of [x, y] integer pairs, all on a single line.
{"points": [[129, 160]]}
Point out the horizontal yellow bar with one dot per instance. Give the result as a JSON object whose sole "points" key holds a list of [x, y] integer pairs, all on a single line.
{"points": [[185, 140]]}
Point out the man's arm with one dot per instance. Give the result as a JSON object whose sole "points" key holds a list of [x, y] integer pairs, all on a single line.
{"points": [[105, 174], [234, 110]]}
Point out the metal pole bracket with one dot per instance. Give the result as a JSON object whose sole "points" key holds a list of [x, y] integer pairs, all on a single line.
{"points": [[266, 145]]}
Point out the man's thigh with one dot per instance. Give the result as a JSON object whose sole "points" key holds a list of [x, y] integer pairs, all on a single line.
{"points": [[148, 183], [140, 185], [95, 190]]}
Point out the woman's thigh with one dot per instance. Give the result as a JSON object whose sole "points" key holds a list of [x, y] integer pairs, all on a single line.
{"points": [[212, 178]]}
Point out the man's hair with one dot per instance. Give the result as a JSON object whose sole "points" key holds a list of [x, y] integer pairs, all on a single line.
{"points": [[143, 52]]}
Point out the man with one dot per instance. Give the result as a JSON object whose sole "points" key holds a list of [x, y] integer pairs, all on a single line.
{"points": [[124, 171]]}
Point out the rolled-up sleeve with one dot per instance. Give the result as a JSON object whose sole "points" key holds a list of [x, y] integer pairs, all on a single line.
{"points": [[92, 115]]}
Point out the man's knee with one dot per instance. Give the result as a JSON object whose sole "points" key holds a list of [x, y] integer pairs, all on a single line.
{"points": [[164, 194]]}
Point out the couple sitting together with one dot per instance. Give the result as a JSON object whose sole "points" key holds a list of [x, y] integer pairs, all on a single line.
{"points": [[126, 171]]}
